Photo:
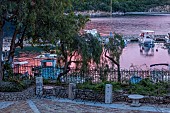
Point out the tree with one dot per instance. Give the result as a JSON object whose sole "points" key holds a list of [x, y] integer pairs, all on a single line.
{"points": [[2, 8], [115, 47], [19, 13], [60, 27], [23, 15], [86, 47], [54, 23], [1, 45]]}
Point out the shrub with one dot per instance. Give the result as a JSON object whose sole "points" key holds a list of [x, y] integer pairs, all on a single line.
{"points": [[99, 86], [146, 87], [45, 81]]}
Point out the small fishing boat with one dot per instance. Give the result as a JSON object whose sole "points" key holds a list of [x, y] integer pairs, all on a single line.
{"points": [[146, 42], [146, 38]]}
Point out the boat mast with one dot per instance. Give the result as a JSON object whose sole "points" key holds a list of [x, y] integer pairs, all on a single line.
{"points": [[111, 34], [111, 8]]}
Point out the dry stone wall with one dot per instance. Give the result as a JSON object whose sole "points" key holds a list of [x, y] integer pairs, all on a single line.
{"points": [[15, 96]]}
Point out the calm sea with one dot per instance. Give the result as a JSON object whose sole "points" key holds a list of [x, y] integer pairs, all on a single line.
{"points": [[131, 25], [128, 25]]}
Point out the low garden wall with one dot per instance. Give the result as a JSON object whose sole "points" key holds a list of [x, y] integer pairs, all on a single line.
{"points": [[14, 96]]}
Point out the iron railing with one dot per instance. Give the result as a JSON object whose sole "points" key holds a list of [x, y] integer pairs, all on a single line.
{"points": [[94, 75]]}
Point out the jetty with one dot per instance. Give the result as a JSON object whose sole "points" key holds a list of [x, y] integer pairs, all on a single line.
{"points": [[134, 38]]}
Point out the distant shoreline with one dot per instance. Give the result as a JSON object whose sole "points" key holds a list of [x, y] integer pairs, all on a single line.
{"points": [[97, 14], [148, 13]]}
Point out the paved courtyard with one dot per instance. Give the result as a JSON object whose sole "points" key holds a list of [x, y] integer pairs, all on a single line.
{"points": [[54, 105]]}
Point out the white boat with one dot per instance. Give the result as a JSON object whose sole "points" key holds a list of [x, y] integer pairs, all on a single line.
{"points": [[167, 38], [94, 32], [146, 38]]}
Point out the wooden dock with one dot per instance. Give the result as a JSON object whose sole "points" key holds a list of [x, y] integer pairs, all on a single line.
{"points": [[135, 38]]}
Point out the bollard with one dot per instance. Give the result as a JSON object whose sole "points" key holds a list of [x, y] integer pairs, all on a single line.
{"points": [[39, 86], [108, 94], [72, 86]]}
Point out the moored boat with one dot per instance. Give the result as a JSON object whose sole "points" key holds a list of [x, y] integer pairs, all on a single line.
{"points": [[146, 38], [167, 39]]}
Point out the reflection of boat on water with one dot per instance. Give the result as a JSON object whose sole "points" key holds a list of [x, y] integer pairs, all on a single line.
{"points": [[156, 73], [167, 42], [147, 51]]}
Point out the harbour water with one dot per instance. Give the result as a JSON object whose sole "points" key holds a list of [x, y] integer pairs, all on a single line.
{"points": [[142, 60], [131, 25]]}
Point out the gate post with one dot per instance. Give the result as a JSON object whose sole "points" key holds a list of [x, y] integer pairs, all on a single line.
{"points": [[72, 86], [108, 94], [39, 86]]}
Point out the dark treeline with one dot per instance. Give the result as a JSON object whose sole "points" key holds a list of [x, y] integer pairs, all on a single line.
{"points": [[118, 5]]}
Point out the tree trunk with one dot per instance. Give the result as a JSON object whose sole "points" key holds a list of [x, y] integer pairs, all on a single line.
{"points": [[117, 64], [65, 71], [1, 45], [66, 61], [12, 48], [119, 74]]}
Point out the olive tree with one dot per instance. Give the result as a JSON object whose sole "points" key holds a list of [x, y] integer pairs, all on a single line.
{"points": [[61, 28], [49, 22], [114, 49]]}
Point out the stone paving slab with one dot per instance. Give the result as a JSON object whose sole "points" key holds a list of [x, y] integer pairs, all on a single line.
{"points": [[51, 106], [55, 105], [17, 107], [123, 106], [33, 106], [5, 104]]}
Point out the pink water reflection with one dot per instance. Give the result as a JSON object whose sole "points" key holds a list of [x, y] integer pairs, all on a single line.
{"points": [[128, 25], [132, 55]]}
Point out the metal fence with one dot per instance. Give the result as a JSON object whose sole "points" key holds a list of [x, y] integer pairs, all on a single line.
{"points": [[126, 75], [94, 75]]}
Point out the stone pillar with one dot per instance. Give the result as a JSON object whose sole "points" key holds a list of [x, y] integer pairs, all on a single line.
{"points": [[72, 86], [39, 86], [108, 94]]}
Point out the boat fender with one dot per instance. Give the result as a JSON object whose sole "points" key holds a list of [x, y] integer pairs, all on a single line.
{"points": [[142, 34]]}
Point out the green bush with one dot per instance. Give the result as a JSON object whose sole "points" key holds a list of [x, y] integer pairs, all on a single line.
{"points": [[99, 86], [45, 81], [144, 87], [86, 85]]}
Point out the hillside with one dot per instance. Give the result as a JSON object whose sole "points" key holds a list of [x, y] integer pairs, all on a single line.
{"points": [[119, 5]]}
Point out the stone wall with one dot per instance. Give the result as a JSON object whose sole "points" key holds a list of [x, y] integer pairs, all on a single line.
{"points": [[15, 96]]}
